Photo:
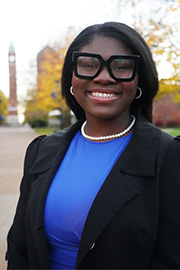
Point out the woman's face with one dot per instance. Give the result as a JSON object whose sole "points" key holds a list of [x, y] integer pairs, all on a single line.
{"points": [[89, 93]]}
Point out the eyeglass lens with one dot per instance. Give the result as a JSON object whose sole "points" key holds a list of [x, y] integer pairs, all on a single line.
{"points": [[120, 68]]}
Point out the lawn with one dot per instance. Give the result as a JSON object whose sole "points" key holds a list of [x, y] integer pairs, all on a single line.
{"points": [[172, 131], [48, 131]]}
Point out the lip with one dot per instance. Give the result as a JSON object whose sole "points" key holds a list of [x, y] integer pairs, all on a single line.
{"points": [[103, 95]]}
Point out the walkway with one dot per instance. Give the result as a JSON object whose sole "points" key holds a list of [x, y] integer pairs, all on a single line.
{"points": [[13, 143]]}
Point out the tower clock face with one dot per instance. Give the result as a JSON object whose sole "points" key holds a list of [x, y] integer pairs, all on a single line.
{"points": [[11, 58]]}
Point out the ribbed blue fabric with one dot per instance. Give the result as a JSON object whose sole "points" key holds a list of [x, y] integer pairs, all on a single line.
{"points": [[72, 192]]}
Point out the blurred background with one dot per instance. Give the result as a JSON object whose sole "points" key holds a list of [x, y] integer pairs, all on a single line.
{"points": [[39, 32], [34, 36]]}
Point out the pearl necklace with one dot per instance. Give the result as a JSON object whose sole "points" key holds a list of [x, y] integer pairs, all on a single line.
{"points": [[109, 137]]}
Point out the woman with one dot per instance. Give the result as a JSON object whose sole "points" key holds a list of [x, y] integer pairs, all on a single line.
{"points": [[104, 193]]}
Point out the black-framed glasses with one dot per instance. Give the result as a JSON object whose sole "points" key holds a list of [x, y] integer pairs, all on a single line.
{"points": [[120, 67]]}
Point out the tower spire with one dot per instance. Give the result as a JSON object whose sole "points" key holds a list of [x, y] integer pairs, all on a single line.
{"points": [[12, 118], [11, 48]]}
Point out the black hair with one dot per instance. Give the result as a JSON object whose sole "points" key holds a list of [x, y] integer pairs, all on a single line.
{"points": [[147, 73]]}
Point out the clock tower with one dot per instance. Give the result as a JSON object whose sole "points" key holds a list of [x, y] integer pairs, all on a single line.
{"points": [[12, 118]]}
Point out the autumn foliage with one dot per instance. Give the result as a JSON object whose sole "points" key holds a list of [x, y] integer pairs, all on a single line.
{"points": [[3, 108], [47, 96], [163, 39]]}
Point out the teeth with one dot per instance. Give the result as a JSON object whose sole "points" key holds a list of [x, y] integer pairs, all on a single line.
{"points": [[103, 95]]}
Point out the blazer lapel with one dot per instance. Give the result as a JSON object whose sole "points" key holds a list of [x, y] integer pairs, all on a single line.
{"points": [[112, 197], [138, 159], [51, 152], [140, 155]]}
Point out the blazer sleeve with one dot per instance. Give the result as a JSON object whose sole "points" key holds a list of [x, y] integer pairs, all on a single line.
{"points": [[16, 254], [167, 254]]}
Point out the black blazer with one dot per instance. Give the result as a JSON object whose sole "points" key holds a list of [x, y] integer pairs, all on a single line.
{"points": [[134, 222]]}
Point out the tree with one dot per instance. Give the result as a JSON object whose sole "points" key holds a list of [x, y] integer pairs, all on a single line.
{"points": [[46, 96], [3, 108], [166, 112], [169, 87], [33, 115], [158, 22], [48, 81]]}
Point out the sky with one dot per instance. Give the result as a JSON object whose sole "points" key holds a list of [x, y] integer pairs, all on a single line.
{"points": [[32, 24]]}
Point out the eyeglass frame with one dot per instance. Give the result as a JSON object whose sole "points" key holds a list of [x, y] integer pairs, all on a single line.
{"points": [[105, 63]]}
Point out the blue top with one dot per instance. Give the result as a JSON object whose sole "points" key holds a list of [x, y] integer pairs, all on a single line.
{"points": [[72, 192]]}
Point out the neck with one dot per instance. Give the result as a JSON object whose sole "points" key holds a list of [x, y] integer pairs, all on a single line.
{"points": [[102, 127], [109, 134]]}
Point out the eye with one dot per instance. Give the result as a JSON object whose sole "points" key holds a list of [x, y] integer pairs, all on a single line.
{"points": [[88, 63], [122, 64]]}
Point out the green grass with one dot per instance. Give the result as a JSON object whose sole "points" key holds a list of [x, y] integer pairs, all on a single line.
{"points": [[172, 131], [49, 131], [46, 130]]}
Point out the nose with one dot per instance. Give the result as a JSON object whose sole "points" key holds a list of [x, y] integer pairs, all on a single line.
{"points": [[104, 77]]}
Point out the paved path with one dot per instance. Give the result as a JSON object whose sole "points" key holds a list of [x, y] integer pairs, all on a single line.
{"points": [[13, 143]]}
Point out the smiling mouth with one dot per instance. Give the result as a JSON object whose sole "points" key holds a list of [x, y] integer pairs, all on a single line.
{"points": [[103, 95]]}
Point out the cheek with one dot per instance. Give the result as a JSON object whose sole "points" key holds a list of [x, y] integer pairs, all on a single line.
{"points": [[79, 86], [131, 87], [76, 82]]}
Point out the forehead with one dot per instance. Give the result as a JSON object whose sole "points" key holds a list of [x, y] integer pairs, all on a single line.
{"points": [[106, 46]]}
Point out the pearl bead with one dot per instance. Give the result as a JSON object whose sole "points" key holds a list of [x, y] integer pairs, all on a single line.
{"points": [[109, 137]]}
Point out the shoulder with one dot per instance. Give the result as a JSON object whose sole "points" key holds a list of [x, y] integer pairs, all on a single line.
{"points": [[158, 143], [174, 149], [148, 129], [35, 142], [44, 141], [150, 135], [32, 151], [64, 135], [43, 149]]}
